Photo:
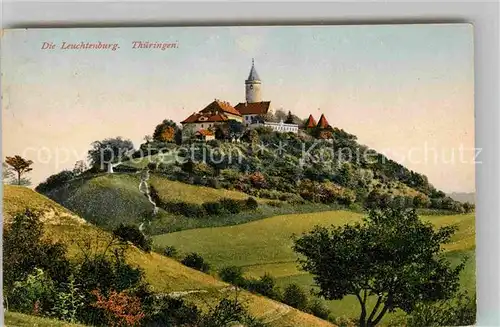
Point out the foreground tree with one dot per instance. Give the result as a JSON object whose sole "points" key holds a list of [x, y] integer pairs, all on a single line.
{"points": [[7, 173], [391, 255], [21, 166]]}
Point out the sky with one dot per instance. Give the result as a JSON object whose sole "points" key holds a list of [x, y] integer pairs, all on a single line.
{"points": [[404, 90]]}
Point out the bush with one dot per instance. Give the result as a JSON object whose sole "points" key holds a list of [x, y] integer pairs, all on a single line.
{"points": [[230, 205], [104, 273], [32, 295], [170, 251], [120, 309], [265, 285], [68, 301], [460, 311], [317, 308], [251, 204], [214, 143], [233, 275], [229, 312], [295, 296], [168, 311], [184, 208], [213, 208], [196, 261], [130, 233]]}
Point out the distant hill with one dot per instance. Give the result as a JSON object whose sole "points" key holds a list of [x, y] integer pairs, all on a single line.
{"points": [[463, 197], [164, 274]]}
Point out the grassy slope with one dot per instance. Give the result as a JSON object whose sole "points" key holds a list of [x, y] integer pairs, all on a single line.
{"points": [[15, 319], [164, 274], [177, 191], [265, 246], [110, 199]]}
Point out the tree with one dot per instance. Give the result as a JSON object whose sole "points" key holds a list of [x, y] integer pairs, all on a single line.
{"points": [[289, 118], [7, 173], [148, 138], [25, 248], [132, 234], [165, 131], [108, 151], [20, 166], [80, 167], [168, 134], [235, 128], [391, 255]]}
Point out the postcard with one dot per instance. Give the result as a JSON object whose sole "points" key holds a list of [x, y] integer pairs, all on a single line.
{"points": [[293, 176]]}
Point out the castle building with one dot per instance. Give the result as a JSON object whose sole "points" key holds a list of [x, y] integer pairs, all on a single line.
{"points": [[253, 86], [203, 123], [253, 107], [250, 113]]}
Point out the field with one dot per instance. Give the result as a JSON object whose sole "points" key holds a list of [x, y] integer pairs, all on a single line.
{"points": [[164, 274], [264, 246]]}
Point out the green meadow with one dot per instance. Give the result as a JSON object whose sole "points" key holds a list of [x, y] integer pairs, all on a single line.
{"points": [[265, 246]]}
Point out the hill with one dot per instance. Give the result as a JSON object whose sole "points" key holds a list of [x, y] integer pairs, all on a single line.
{"points": [[110, 199], [164, 274], [265, 246], [464, 197]]}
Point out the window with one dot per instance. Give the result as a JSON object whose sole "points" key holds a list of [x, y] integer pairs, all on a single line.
{"points": [[201, 125]]}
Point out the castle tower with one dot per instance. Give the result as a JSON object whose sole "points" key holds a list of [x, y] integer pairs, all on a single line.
{"points": [[253, 86]]}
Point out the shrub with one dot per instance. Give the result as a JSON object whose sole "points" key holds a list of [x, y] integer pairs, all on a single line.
{"points": [[460, 311], [295, 296], [265, 285], [168, 311], [233, 275], [258, 180], [213, 208], [251, 204], [170, 251], [106, 273], [317, 308], [120, 309], [229, 312], [68, 301], [184, 208], [130, 233], [214, 143], [32, 295], [196, 261], [151, 166], [276, 204], [230, 205], [213, 182]]}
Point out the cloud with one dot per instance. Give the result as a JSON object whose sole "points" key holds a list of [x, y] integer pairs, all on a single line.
{"points": [[249, 39]]}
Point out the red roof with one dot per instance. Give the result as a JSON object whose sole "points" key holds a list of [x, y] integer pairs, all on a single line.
{"points": [[220, 106], [254, 108], [205, 118], [310, 123], [205, 132], [323, 123]]}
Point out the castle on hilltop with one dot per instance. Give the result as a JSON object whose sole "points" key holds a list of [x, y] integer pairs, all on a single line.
{"points": [[251, 114]]}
